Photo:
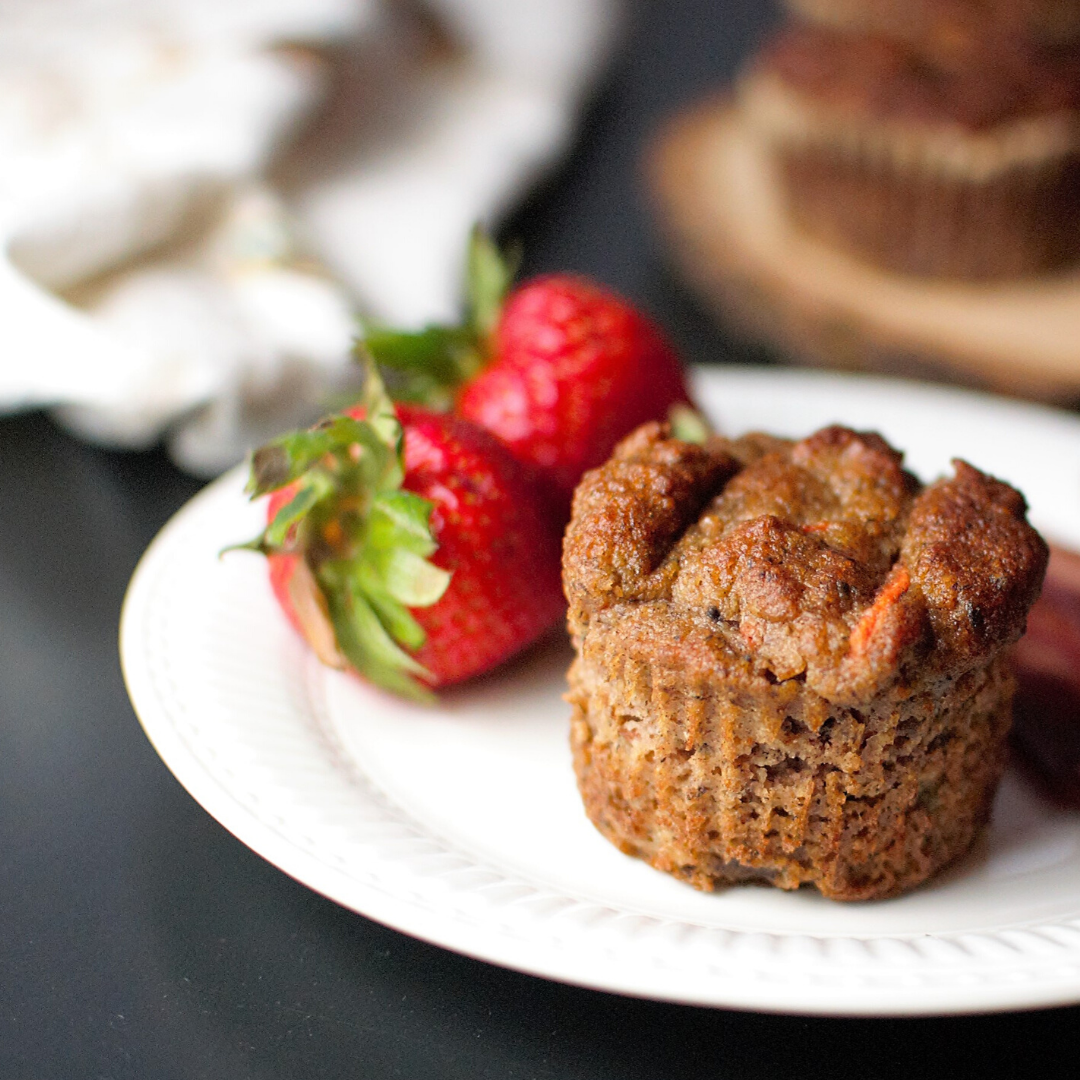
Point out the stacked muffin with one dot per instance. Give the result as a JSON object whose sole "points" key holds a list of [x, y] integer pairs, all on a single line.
{"points": [[931, 137]]}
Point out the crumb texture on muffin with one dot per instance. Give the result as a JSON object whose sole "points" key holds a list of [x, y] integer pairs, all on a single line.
{"points": [[792, 658]]}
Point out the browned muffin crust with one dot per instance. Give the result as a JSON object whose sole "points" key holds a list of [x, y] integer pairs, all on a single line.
{"points": [[885, 78], [790, 661]]}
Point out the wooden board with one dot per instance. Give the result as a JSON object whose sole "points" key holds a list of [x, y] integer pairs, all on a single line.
{"points": [[720, 204]]}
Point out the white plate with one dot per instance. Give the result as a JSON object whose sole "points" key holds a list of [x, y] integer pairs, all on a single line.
{"points": [[461, 825]]}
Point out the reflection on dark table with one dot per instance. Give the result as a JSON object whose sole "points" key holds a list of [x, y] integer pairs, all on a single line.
{"points": [[140, 939]]}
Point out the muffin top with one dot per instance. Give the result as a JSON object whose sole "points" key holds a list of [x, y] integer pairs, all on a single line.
{"points": [[882, 77], [821, 560]]}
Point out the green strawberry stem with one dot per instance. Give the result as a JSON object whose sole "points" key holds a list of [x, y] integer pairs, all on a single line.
{"points": [[489, 273], [366, 539], [428, 365]]}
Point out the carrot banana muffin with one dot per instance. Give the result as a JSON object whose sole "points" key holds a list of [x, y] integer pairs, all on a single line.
{"points": [[792, 660], [918, 164]]}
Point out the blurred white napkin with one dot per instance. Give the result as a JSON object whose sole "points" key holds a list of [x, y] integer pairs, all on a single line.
{"points": [[199, 195]]}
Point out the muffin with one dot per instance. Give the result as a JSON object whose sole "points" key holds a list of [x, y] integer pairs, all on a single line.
{"points": [[951, 170], [952, 27], [792, 660]]}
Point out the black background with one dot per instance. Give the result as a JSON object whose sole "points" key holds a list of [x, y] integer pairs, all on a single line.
{"points": [[139, 939]]}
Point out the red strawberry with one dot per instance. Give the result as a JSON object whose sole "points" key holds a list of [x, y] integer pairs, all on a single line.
{"points": [[560, 370], [408, 547]]}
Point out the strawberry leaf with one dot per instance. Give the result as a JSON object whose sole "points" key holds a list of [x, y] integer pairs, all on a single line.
{"points": [[366, 644], [380, 412], [488, 277], [369, 465], [435, 350], [290, 456], [403, 576], [398, 620], [282, 461], [403, 518], [316, 488], [428, 365], [365, 540]]}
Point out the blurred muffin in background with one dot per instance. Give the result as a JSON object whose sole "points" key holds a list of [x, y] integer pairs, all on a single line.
{"points": [[918, 163], [950, 27]]}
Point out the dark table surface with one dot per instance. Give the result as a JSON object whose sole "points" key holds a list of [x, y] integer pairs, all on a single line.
{"points": [[140, 939]]}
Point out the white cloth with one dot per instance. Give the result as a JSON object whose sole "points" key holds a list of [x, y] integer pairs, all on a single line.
{"points": [[199, 195]]}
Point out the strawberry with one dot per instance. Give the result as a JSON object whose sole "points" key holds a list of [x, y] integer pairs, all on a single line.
{"points": [[1046, 713], [559, 370], [407, 544]]}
